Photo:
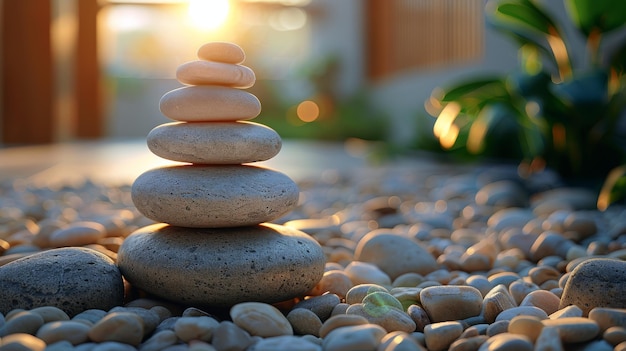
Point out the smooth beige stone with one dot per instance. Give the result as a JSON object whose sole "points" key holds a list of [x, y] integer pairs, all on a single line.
{"points": [[220, 51], [366, 273], [574, 329], [446, 303], [223, 266], [549, 340], [439, 336], [260, 319], [72, 331], [511, 313], [22, 341], [569, 311], [215, 73], [608, 317], [209, 104], [394, 254], [214, 142], [214, 196], [506, 342], [341, 320], [356, 337], [529, 326], [124, 327], [543, 299], [77, 234], [195, 328]]}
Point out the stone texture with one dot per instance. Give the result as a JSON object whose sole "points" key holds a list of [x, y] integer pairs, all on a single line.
{"points": [[221, 267], [597, 282], [72, 279], [220, 51], [214, 142], [215, 73], [209, 103], [214, 196]]}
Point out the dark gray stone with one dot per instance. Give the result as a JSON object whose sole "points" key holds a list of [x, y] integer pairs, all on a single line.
{"points": [[73, 279]]}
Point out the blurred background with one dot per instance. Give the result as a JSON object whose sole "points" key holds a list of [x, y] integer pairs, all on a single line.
{"points": [[327, 69]]}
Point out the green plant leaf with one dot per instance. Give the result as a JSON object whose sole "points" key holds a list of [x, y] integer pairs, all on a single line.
{"points": [[597, 15], [613, 189], [524, 14], [487, 86]]}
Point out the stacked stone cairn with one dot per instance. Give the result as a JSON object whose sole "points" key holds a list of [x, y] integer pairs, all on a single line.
{"points": [[214, 244]]}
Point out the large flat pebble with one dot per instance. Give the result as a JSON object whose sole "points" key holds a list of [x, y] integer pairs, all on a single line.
{"points": [[215, 73], [224, 266], [214, 196], [72, 279], [209, 103], [221, 51], [215, 142]]}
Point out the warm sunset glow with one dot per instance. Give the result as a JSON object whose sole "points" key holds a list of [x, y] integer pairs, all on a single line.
{"points": [[208, 14], [308, 111]]}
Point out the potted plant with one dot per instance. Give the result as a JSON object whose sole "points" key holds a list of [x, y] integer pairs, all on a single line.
{"points": [[551, 111]]}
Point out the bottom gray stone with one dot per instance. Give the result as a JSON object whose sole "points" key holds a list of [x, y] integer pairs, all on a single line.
{"points": [[221, 267]]}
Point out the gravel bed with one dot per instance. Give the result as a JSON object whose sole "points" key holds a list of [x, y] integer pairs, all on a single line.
{"points": [[435, 257]]}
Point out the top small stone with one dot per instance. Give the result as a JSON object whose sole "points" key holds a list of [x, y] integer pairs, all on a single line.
{"points": [[221, 52]]}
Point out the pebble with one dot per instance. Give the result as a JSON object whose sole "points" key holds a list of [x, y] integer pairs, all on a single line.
{"points": [[219, 51], [574, 329], [522, 311], [322, 306], [304, 321], [195, 328], [221, 266], [341, 320], [214, 143], [285, 343], [528, 326], [596, 282], [439, 336], [21, 322], [73, 279], [74, 332], [354, 338], [383, 309], [366, 273], [122, 327], [201, 103], [180, 195], [608, 317], [159, 341], [22, 342], [614, 335], [358, 292], [227, 336], [446, 303], [394, 254], [215, 73], [260, 319], [334, 282], [399, 341], [507, 342], [77, 234], [543, 299]]}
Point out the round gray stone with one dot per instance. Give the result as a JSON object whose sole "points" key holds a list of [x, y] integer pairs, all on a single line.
{"points": [[73, 279], [224, 266], [214, 196], [214, 142], [596, 282]]}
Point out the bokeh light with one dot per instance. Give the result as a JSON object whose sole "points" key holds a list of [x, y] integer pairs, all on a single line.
{"points": [[208, 14], [308, 111]]}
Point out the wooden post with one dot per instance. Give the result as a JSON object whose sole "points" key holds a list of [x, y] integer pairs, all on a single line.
{"points": [[27, 72], [90, 117]]}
